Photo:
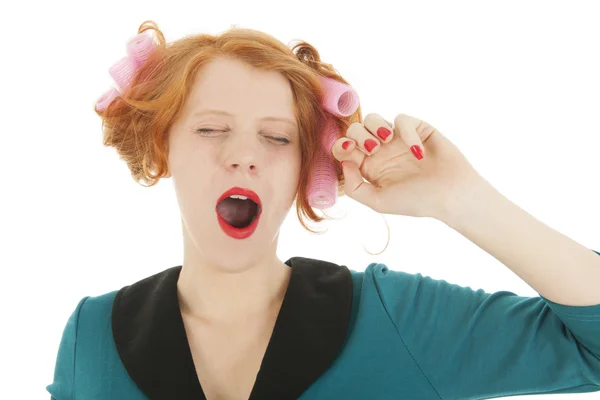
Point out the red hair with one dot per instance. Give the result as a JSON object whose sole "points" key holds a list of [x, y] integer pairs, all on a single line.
{"points": [[137, 122]]}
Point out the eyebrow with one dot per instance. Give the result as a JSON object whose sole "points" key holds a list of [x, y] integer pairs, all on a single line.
{"points": [[269, 118]]}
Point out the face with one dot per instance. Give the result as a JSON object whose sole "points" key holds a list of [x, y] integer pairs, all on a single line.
{"points": [[245, 150]]}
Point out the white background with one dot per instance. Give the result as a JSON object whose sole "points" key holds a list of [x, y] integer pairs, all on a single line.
{"points": [[514, 84]]}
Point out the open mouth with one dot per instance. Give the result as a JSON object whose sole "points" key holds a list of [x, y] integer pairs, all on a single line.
{"points": [[237, 211]]}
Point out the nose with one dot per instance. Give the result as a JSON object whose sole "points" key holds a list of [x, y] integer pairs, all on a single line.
{"points": [[242, 154], [244, 167]]}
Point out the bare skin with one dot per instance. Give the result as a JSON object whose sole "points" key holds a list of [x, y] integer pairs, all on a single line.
{"points": [[228, 358], [230, 290]]}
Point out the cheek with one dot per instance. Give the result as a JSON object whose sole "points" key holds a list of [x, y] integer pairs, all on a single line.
{"points": [[194, 197], [290, 176], [188, 158], [191, 172]]}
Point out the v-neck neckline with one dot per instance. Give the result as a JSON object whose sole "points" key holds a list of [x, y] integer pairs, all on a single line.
{"points": [[309, 332]]}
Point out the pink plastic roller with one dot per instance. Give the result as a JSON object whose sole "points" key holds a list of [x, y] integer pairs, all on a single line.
{"points": [[139, 47], [106, 99], [341, 100], [122, 72], [323, 188]]}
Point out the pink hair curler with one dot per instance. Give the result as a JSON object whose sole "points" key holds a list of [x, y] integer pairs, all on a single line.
{"points": [[122, 72], [139, 48], [342, 100], [106, 99], [339, 99], [323, 188]]}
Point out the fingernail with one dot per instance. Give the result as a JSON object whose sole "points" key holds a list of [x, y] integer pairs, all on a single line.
{"points": [[383, 133], [346, 144], [416, 150], [370, 144]]}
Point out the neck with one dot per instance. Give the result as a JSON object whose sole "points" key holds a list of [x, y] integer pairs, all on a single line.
{"points": [[209, 293]]}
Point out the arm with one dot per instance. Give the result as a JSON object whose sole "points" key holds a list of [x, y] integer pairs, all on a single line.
{"points": [[557, 267], [476, 345], [62, 386], [470, 344]]}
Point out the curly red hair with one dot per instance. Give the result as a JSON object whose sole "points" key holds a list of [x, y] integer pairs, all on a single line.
{"points": [[137, 122]]}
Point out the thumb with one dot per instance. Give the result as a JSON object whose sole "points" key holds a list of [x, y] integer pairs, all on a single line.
{"points": [[357, 188]]}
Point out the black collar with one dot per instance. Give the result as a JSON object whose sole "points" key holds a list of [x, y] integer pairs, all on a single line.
{"points": [[308, 335]]}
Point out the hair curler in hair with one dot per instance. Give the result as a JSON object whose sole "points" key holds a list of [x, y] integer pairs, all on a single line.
{"points": [[138, 49], [341, 100], [106, 99], [122, 72]]}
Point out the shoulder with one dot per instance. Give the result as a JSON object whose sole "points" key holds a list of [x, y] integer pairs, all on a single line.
{"points": [[96, 306], [380, 276]]}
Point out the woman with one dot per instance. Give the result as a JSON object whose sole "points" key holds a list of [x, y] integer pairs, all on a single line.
{"points": [[246, 127]]}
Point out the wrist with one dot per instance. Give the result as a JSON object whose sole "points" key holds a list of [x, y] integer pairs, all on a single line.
{"points": [[466, 201]]}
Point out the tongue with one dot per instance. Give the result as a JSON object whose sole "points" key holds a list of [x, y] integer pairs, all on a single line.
{"points": [[237, 212]]}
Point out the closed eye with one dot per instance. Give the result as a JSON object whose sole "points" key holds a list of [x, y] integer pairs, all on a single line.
{"points": [[279, 139], [282, 140]]}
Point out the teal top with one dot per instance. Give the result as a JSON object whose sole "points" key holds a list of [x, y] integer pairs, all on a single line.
{"points": [[340, 334]]}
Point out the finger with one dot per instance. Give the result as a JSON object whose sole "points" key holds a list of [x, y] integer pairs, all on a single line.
{"points": [[345, 149], [378, 127], [357, 188], [363, 138], [406, 126]]}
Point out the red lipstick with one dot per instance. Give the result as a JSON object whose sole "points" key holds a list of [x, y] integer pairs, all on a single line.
{"points": [[243, 192], [240, 233]]}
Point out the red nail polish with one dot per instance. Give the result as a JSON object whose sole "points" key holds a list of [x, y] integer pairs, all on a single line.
{"points": [[383, 133], [346, 144], [370, 144], [416, 150]]}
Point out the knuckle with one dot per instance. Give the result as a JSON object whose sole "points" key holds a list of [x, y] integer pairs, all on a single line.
{"points": [[371, 118], [375, 121], [400, 118], [354, 130]]}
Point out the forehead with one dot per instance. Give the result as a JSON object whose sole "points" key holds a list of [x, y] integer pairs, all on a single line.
{"points": [[239, 88]]}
